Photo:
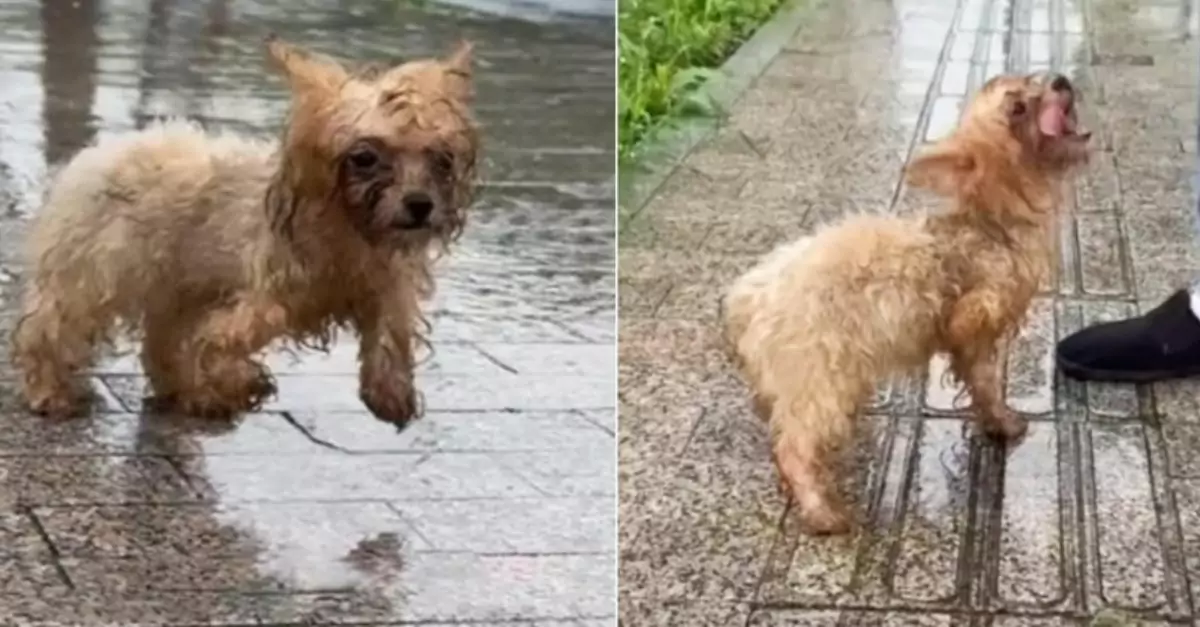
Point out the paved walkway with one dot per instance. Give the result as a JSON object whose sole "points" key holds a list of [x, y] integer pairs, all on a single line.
{"points": [[498, 506], [1098, 509]]}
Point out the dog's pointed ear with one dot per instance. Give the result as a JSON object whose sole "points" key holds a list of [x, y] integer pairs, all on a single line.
{"points": [[457, 67], [945, 169], [307, 73]]}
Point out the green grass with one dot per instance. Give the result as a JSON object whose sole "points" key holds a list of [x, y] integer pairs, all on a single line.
{"points": [[668, 48]]}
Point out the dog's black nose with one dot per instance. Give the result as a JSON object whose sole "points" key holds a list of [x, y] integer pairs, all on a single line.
{"points": [[418, 206], [1060, 83]]}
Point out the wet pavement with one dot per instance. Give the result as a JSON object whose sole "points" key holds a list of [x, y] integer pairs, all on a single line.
{"points": [[1097, 511], [497, 507]]}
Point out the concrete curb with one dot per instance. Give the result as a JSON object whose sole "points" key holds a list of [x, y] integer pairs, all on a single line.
{"points": [[638, 181]]}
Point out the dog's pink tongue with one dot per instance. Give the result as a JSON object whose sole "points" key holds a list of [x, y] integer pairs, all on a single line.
{"points": [[1052, 121]]}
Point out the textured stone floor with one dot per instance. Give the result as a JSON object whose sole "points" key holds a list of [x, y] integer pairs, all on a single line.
{"points": [[497, 507], [1097, 512]]}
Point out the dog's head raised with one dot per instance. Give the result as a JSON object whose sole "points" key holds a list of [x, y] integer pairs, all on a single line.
{"points": [[1017, 129], [393, 149]]}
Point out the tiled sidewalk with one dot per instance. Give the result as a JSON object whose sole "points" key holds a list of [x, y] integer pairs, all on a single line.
{"points": [[1098, 509], [498, 506]]}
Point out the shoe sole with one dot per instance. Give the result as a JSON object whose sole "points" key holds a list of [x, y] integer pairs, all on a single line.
{"points": [[1083, 373]]}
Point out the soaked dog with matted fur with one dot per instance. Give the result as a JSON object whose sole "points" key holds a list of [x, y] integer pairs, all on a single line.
{"points": [[210, 247], [820, 322]]}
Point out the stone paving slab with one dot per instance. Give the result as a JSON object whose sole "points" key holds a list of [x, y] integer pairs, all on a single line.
{"points": [[497, 508], [1095, 511]]}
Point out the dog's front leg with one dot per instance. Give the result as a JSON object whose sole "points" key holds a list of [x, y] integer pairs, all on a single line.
{"points": [[978, 345], [387, 329]]}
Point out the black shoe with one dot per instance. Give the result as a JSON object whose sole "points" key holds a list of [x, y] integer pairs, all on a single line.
{"points": [[1163, 344]]}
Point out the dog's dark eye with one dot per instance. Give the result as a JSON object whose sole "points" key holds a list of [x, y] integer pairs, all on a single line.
{"points": [[1018, 109], [443, 162], [364, 159]]}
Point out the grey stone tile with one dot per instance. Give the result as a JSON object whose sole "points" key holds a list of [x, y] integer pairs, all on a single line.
{"points": [[931, 528], [1162, 263], [1183, 450], [554, 359], [604, 419], [1133, 544], [661, 230], [505, 391], [693, 278], [688, 345], [429, 591], [20, 538], [1036, 563], [1098, 187], [579, 471], [301, 542], [141, 578], [498, 328], [154, 434], [32, 578], [699, 612], [101, 399], [834, 618], [1102, 262], [1187, 499], [1030, 377], [456, 431], [697, 528], [1035, 621], [197, 608], [749, 237], [91, 480], [527, 525], [27, 434], [341, 477], [661, 426]]}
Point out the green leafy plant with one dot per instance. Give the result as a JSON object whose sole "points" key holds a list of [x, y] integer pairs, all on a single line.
{"points": [[670, 48]]}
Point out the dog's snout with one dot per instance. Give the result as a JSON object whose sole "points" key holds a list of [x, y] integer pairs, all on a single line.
{"points": [[1061, 83], [418, 206]]}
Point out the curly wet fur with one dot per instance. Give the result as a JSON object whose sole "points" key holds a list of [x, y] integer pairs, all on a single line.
{"points": [[820, 322], [210, 247]]}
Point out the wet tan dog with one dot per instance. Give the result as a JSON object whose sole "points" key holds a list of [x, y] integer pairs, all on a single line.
{"points": [[212, 246], [820, 322]]}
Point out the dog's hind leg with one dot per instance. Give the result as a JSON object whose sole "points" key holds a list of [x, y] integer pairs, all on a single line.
{"points": [[807, 433], [53, 341], [219, 376], [168, 327]]}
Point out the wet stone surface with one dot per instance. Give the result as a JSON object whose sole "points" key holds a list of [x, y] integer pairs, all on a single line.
{"points": [[1092, 516], [496, 507]]}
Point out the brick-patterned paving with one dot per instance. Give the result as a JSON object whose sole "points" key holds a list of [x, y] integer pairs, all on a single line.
{"points": [[1096, 511]]}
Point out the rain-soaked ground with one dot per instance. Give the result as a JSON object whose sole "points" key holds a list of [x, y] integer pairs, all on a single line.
{"points": [[497, 506], [1095, 514]]}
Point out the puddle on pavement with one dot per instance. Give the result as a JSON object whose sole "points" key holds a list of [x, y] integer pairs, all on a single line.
{"points": [[537, 254]]}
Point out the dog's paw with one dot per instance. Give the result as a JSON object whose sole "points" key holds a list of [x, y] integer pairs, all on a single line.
{"points": [[205, 406], [395, 404], [1004, 424], [56, 406], [826, 520], [64, 402]]}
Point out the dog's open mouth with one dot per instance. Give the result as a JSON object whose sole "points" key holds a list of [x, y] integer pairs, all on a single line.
{"points": [[1057, 119]]}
